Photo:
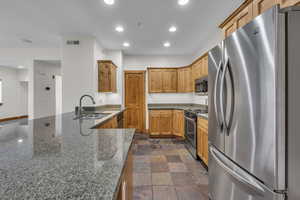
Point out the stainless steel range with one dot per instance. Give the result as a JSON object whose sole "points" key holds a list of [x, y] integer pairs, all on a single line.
{"points": [[190, 117]]}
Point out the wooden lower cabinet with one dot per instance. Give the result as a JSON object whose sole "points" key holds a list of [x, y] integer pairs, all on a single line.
{"points": [[126, 182], [166, 123], [178, 123], [202, 139], [112, 123], [154, 122]]}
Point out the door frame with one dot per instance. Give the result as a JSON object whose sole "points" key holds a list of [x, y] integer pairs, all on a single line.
{"points": [[143, 72]]}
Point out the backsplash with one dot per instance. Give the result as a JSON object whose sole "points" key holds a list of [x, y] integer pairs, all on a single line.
{"points": [[171, 98], [198, 99]]}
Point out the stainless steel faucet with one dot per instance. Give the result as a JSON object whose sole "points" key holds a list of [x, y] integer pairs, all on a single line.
{"points": [[80, 103]]}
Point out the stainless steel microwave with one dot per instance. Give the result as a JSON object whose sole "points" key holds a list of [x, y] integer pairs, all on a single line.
{"points": [[201, 85]]}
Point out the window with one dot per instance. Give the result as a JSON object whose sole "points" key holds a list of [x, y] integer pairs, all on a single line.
{"points": [[1, 92]]}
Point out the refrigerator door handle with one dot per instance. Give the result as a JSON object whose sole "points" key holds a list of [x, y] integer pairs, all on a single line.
{"points": [[225, 123], [221, 96], [235, 171], [215, 95]]}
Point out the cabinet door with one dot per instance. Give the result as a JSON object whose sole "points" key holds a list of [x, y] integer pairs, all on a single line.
{"points": [[196, 70], [169, 78], [155, 80], [103, 77], [260, 6], [113, 79], [154, 121], [199, 142], [188, 80], [204, 66], [287, 3], [114, 122], [202, 139], [230, 27], [180, 82], [178, 123], [244, 17], [204, 146], [166, 122]]}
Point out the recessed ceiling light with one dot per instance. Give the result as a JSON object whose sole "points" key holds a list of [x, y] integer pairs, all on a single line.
{"points": [[167, 44], [126, 44], [21, 67], [173, 29], [119, 29], [109, 2], [183, 2], [26, 40], [20, 140]]}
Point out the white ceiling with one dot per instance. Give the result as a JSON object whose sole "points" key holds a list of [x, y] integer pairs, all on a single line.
{"points": [[44, 21]]}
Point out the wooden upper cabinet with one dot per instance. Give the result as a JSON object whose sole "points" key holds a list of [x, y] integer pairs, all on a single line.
{"points": [[107, 76], [287, 3], [185, 82], [204, 71], [230, 27], [260, 6], [245, 16], [249, 10], [169, 80], [245, 13], [155, 80], [162, 80], [197, 69]]}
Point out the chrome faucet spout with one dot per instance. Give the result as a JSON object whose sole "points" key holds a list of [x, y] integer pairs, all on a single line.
{"points": [[80, 102]]}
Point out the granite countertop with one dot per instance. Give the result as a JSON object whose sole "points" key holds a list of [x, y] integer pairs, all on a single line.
{"points": [[175, 106], [61, 158], [179, 107]]}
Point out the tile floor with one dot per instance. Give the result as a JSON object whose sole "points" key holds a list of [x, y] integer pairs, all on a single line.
{"points": [[164, 170]]}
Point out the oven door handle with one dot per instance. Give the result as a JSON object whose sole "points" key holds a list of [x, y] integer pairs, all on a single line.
{"points": [[190, 119]]}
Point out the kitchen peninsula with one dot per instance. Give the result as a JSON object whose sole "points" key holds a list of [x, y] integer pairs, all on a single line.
{"points": [[58, 157]]}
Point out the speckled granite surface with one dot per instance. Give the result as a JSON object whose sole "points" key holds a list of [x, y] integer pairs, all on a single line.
{"points": [[175, 106], [61, 158]]}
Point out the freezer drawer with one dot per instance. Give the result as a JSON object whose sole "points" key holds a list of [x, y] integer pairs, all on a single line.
{"points": [[227, 181]]}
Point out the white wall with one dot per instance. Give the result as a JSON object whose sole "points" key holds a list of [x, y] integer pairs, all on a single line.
{"points": [[78, 70], [142, 62], [44, 100], [14, 93], [208, 44], [25, 57]]}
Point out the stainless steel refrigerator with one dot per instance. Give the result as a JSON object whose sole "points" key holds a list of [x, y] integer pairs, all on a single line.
{"points": [[254, 97]]}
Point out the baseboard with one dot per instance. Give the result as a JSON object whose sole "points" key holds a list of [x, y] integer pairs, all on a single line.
{"points": [[13, 118]]}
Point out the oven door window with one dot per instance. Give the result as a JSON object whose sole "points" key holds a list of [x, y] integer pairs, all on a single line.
{"points": [[190, 131]]}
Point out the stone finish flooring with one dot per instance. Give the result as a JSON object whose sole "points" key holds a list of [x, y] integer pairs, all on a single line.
{"points": [[164, 170]]}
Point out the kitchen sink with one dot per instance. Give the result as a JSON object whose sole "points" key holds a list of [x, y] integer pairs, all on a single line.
{"points": [[92, 116]]}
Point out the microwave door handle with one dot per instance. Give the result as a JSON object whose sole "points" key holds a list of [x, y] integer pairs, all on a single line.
{"points": [[223, 115], [215, 95]]}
